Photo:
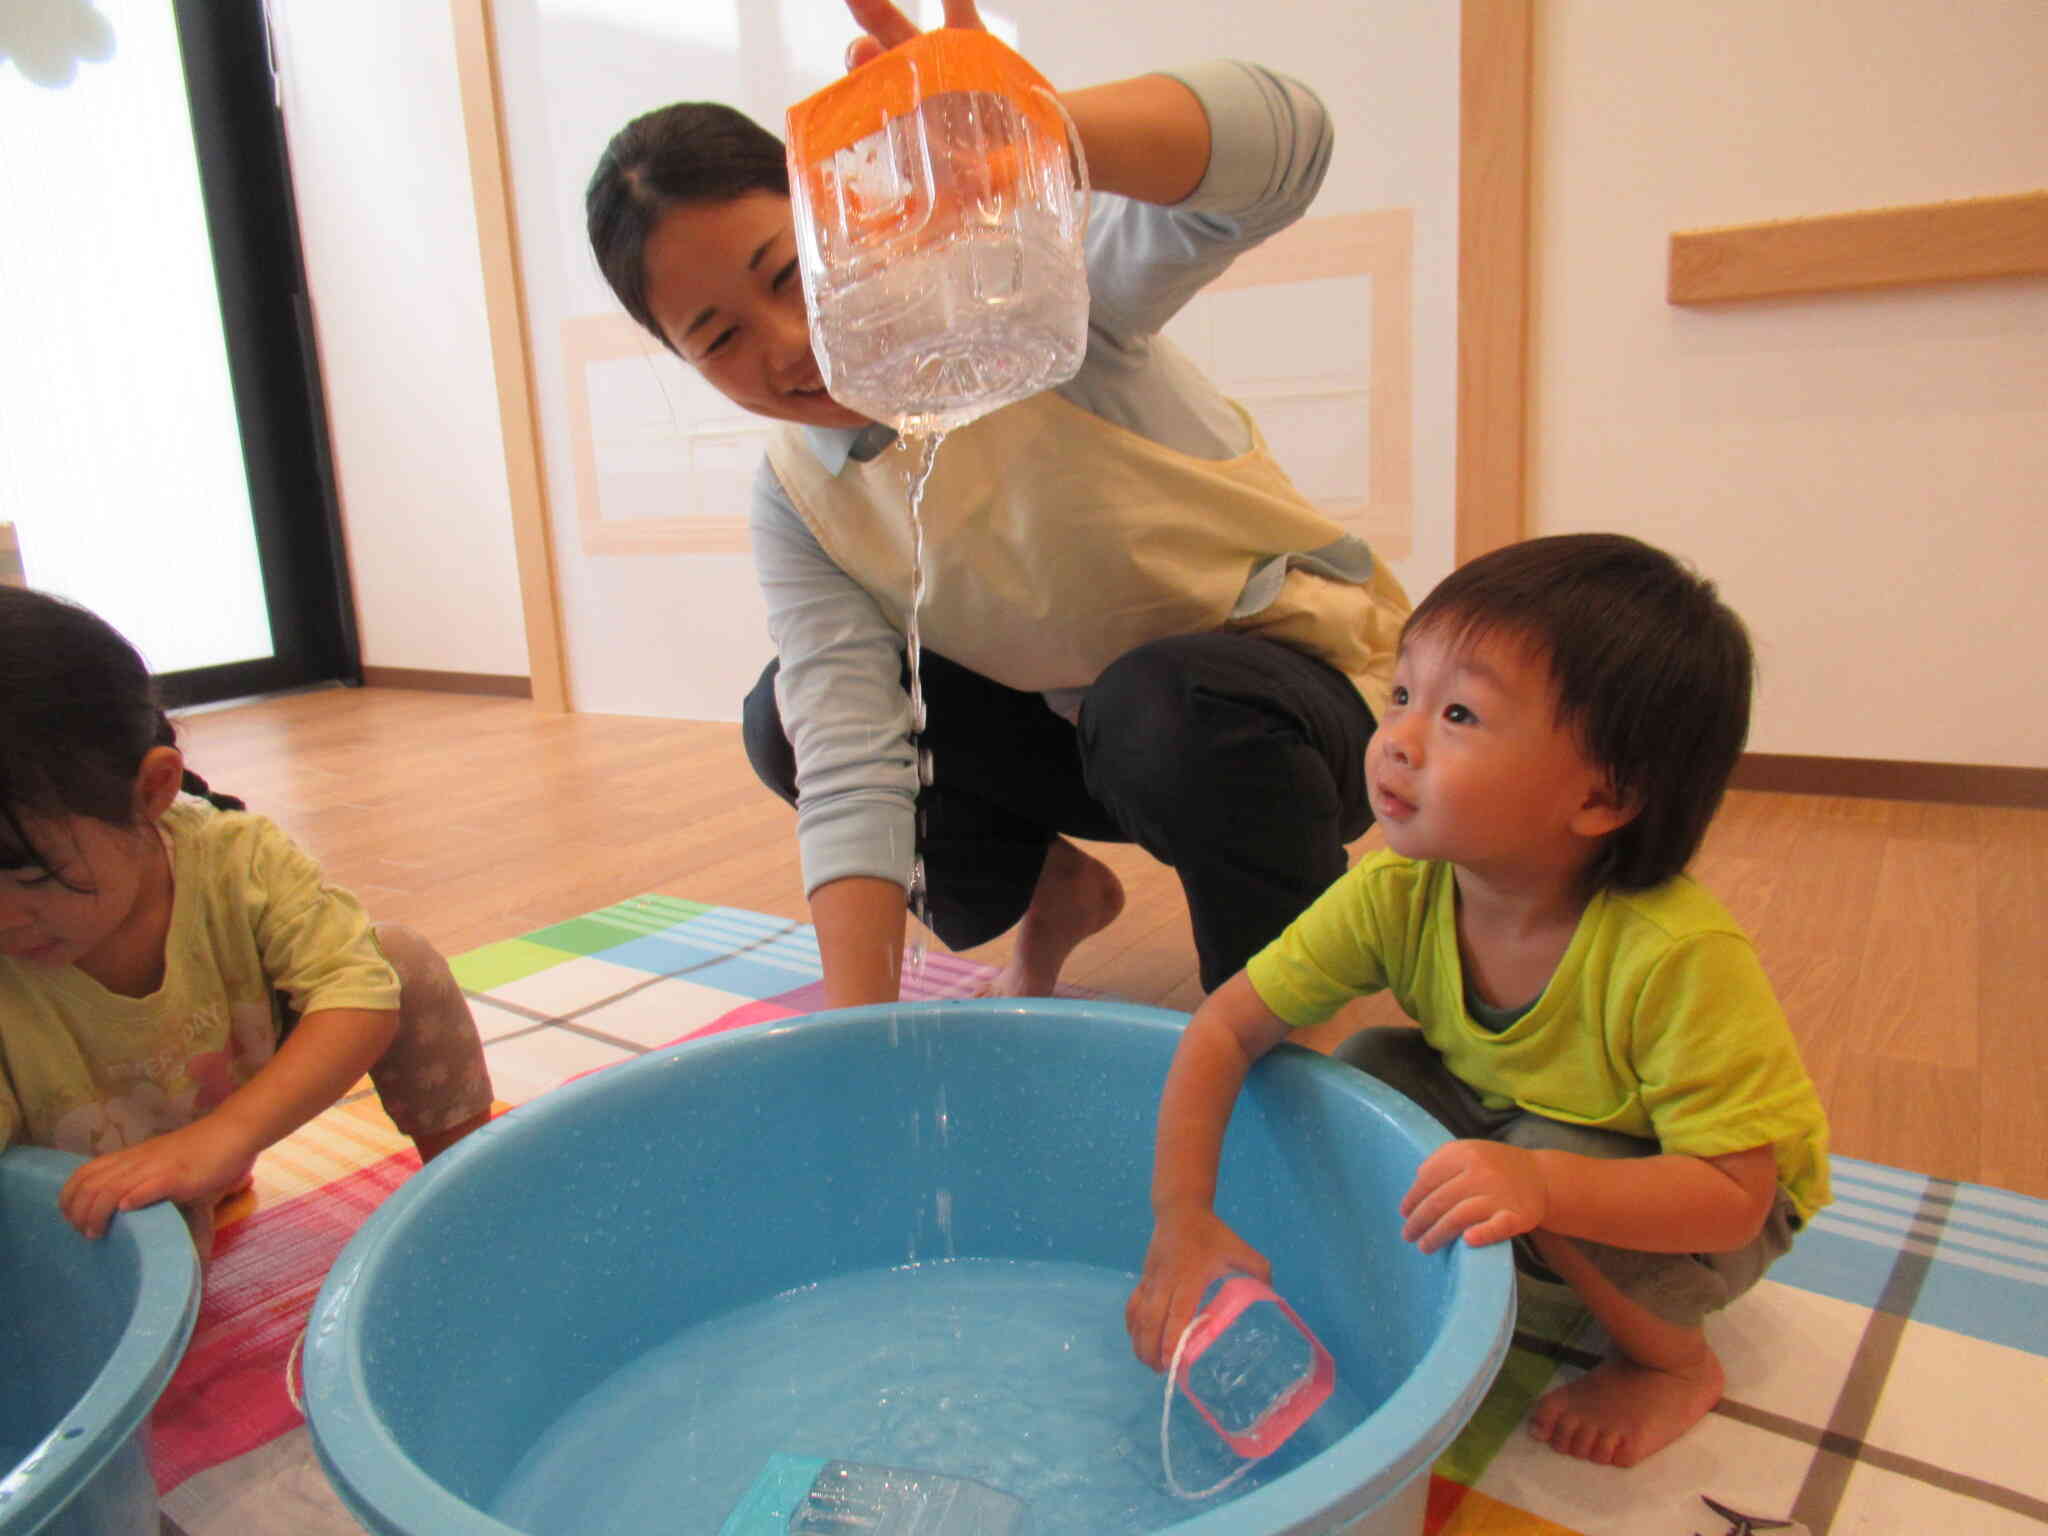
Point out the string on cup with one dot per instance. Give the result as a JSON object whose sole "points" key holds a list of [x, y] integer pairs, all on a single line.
{"points": [[1252, 1370]]}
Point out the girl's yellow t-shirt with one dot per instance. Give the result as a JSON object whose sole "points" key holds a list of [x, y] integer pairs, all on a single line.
{"points": [[1658, 1023], [88, 1071]]}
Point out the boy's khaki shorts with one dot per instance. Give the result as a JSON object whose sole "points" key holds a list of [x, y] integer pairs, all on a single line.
{"points": [[1679, 1288]]}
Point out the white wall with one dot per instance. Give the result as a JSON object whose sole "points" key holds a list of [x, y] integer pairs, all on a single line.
{"points": [[1863, 473], [379, 164]]}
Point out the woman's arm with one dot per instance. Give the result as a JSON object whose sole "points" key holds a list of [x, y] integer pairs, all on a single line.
{"points": [[1146, 138], [847, 717], [860, 925]]}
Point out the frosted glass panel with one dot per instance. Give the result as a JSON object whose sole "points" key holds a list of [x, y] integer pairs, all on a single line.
{"points": [[120, 454]]}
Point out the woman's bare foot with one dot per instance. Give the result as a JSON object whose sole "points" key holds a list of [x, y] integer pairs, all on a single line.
{"points": [[1622, 1412], [1077, 896]]}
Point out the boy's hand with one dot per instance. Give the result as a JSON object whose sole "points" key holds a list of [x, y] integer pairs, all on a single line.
{"points": [[1189, 1250], [195, 1162], [1482, 1189]]}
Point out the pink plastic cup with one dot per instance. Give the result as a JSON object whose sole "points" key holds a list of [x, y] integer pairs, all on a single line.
{"points": [[1247, 1375]]}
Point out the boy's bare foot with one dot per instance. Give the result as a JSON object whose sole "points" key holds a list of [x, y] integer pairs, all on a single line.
{"points": [[1621, 1412], [1077, 896]]}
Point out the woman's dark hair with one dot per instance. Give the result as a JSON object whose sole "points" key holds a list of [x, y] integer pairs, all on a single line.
{"points": [[1653, 674], [78, 712], [691, 152]]}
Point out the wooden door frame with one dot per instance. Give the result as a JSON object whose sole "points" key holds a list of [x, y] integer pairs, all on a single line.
{"points": [[1495, 96]]}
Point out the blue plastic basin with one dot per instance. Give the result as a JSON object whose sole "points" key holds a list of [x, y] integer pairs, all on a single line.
{"points": [[570, 1238], [92, 1332]]}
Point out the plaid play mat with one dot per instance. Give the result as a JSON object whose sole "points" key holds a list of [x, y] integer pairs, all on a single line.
{"points": [[1888, 1377]]}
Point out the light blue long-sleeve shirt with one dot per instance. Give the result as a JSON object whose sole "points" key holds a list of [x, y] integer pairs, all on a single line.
{"points": [[839, 687]]}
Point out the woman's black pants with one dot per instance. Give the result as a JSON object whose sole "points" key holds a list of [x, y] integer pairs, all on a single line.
{"points": [[1235, 760]]}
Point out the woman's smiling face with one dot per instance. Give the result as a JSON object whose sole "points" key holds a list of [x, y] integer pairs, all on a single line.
{"points": [[722, 284]]}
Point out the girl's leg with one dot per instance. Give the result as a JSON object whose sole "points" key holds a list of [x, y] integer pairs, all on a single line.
{"points": [[199, 1222], [432, 1081]]}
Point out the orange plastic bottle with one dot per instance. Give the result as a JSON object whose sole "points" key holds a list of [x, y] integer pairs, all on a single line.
{"points": [[939, 218]]}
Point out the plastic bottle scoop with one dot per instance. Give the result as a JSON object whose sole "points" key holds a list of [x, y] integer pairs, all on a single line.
{"points": [[811, 1496]]}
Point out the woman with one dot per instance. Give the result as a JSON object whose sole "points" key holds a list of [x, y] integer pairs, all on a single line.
{"points": [[1135, 628]]}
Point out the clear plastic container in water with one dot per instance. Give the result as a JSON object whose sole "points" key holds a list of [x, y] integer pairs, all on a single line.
{"points": [[1252, 1368], [808, 1496], [939, 223]]}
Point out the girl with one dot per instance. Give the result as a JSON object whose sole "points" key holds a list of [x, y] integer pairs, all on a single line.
{"points": [[179, 986]]}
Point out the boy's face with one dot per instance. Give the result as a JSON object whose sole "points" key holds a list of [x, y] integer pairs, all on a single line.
{"points": [[723, 286], [1470, 763]]}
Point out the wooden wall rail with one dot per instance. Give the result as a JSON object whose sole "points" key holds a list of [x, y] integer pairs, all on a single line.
{"points": [[1928, 243]]}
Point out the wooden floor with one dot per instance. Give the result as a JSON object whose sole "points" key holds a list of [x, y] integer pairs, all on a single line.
{"points": [[1905, 939]]}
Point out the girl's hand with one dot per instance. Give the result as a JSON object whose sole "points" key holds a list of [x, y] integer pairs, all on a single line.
{"points": [[200, 1161], [886, 27], [1482, 1189], [1189, 1250]]}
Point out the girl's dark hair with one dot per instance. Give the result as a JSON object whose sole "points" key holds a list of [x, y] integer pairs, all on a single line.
{"points": [[1653, 674], [691, 152], [78, 712]]}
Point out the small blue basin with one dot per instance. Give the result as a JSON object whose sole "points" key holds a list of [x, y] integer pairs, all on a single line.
{"points": [[93, 1332]]}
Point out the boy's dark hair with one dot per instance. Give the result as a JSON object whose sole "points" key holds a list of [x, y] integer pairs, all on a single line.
{"points": [[1653, 674], [691, 152], [78, 712]]}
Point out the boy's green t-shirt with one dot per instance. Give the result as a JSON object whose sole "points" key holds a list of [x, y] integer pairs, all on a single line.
{"points": [[1658, 1022]]}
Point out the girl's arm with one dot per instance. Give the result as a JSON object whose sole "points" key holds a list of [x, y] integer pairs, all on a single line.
{"points": [[324, 1055], [1190, 1246], [1669, 1203]]}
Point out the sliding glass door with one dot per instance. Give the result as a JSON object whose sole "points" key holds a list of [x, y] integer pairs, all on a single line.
{"points": [[162, 447]]}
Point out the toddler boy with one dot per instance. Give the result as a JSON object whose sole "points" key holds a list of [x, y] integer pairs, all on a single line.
{"points": [[1595, 1028]]}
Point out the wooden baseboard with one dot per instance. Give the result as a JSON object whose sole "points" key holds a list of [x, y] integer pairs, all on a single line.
{"points": [[492, 683], [1872, 778]]}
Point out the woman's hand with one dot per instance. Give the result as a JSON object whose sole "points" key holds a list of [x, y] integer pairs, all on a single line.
{"points": [[200, 1161], [886, 27], [1145, 138], [1190, 1249]]}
